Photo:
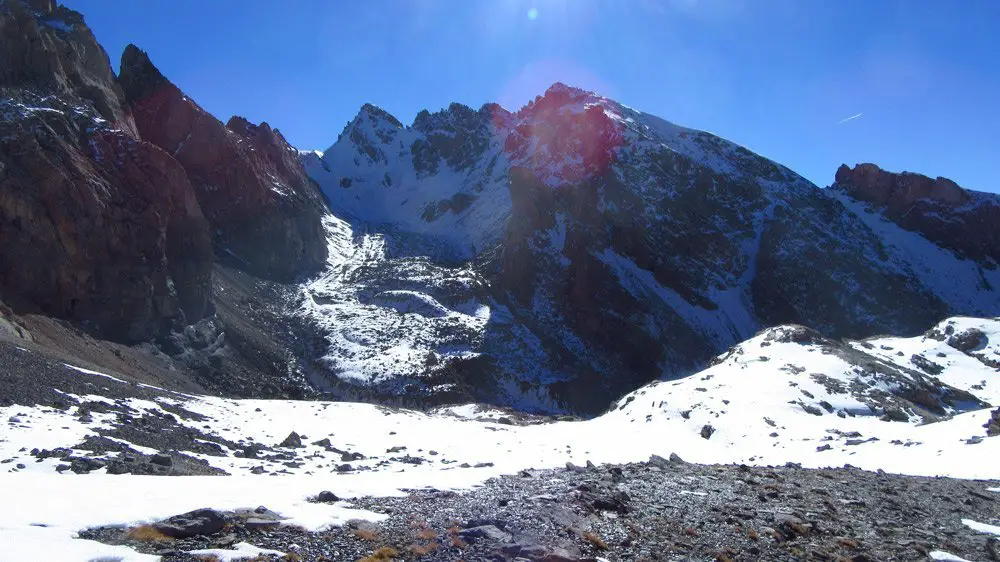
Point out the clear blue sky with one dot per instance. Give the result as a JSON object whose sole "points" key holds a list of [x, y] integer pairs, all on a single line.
{"points": [[778, 76]]}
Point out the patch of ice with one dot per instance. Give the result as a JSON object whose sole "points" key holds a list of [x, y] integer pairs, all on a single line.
{"points": [[94, 373], [981, 527], [943, 556], [240, 551]]}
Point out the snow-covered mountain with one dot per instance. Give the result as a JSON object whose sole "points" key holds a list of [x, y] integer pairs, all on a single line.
{"points": [[562, 255], [905, 405]]}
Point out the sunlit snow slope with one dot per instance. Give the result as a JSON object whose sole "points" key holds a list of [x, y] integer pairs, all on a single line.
{"points": [[880, 403], [907, 405]]}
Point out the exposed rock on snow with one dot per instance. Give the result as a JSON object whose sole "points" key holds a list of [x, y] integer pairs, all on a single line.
{"points": [[193, 523], [784, 396], [967, 222]]}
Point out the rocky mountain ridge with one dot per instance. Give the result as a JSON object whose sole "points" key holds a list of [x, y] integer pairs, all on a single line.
{"points": [[551, 258], [966, 222], [609, 248]]}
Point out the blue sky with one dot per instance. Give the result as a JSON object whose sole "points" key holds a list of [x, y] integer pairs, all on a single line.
{"points": [[781, 77]]}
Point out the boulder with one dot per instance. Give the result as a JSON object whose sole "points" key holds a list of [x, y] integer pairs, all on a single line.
{"points": [[327, 496], [292, 441], [193, 523], [993, 424], [161, 459], [488, 532]]}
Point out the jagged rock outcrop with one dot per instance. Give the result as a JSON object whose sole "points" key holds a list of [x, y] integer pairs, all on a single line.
{"points": [[965, 221], [97, 225], [264, 212], [49, 48]]}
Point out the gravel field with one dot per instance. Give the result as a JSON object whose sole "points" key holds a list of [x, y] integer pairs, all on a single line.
{"points": [[659, 510]]}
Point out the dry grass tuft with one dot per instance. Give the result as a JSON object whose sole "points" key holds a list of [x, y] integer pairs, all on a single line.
{"points": [[595, 540], [147, 533], [382, 554], [427, 534], [848, 543], [365, 534], [457, 542], [422, 549]]}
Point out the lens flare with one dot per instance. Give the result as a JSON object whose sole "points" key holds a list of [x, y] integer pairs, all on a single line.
{"points": [[533, 14]]}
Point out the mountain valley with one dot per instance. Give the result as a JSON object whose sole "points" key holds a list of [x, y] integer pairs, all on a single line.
{"points": [[571, 331]]}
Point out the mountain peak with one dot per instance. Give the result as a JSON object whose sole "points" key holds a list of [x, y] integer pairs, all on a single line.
{"points": [[376, 113], [138, 75], [572, 91]]}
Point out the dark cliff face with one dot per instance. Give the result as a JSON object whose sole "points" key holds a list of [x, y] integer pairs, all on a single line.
{"points": [[964, 221], [97, 225], [264, 211], [626, 292], [49, 48], [111, 224]]}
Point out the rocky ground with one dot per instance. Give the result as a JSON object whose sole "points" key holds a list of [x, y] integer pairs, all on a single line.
{"points": [[251, 348], [659, 510]]}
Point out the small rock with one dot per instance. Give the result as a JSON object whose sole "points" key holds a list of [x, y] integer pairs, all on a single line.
{"points": [[489, 532], [261, 524], [293, 441], [616, 502], [327, 496], [162, 460], [658, 461], [706, 431]]}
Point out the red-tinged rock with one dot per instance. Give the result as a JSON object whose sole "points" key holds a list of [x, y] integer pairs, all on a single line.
{"points": [[97, 226], [264, 212], [49, 48], [965, 221]]}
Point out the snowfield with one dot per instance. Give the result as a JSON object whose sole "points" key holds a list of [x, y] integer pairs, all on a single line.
{"points": [[785, 395]]}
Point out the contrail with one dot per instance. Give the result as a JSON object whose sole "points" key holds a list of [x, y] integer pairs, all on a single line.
{"points": [[851, 118]]}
